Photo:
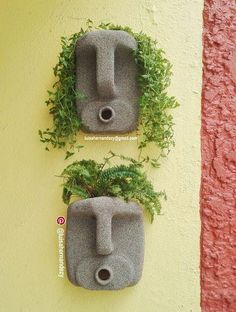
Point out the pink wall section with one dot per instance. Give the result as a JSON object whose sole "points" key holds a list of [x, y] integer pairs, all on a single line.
{"points": [[218, 137]]}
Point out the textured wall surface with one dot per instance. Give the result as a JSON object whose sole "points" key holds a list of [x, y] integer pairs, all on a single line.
{"points": [[30, 191], [218, 190]]}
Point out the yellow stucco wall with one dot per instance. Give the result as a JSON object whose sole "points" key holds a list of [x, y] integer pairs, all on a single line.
{"points": [[30, 192]]}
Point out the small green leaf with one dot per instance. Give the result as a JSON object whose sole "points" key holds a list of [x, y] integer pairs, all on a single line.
{"points": [[68, 154]]}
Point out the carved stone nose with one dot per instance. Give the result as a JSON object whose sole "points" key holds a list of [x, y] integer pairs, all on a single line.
{"points": [[105, 71], [104, 244]]}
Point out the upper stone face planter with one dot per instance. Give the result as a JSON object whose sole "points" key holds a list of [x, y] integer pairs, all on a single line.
{"points": [[106, 73], [104, 243]]}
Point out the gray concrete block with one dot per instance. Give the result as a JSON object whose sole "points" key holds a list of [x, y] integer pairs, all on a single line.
{"points": [[104, 243], [106, 73]]}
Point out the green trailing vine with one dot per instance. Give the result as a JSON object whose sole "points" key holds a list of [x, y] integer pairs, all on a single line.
{"points": [[62, 99], [87, 179], [155, 72], [156, 122]]}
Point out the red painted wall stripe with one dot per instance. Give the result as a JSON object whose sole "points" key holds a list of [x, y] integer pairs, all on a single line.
{"points": [[218, 136]]}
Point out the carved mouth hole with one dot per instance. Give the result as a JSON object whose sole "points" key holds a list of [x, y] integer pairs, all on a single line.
{"points": [[106, 114], [104, 275]]}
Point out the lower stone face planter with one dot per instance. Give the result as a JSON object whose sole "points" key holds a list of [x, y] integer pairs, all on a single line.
{"points": [[104, 243]]}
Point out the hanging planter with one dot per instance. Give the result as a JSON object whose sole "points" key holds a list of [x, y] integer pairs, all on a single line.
{"points": [[105, 235], [106, 73], [104, 243], [150, 100]]}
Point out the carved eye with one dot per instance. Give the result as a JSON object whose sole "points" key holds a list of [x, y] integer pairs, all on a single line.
{"points": [[125, 70], [85, 237], [86, 71]]}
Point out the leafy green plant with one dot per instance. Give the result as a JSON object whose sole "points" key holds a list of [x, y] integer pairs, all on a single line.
{"points": [[155, 71], [62, 99], [87, 178], [156, 122]]}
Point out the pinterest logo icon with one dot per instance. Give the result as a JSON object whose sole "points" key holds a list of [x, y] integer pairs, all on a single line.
{"points": [[61, 220]]}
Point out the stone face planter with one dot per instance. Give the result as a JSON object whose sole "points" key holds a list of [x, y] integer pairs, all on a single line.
{"points": [[107, 74], [104, 243]]}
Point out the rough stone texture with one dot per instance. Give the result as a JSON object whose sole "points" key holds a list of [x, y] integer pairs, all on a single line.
{"points": [[218, 190], [107, 74], [104, 233]]}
